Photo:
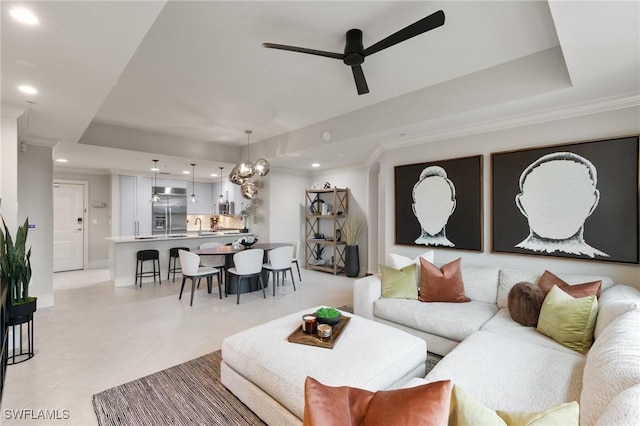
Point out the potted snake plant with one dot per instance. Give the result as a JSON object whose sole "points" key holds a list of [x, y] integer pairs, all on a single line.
{"points": [[15, 270]]}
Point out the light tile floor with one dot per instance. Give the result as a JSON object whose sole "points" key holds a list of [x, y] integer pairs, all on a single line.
{"points": [[98, 336]]}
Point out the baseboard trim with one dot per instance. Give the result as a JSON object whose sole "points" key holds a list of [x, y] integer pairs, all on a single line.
{"points": [[98, 264], [45, 301]]}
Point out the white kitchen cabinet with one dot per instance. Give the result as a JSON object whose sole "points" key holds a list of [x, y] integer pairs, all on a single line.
{"points": [[204, 199], [135, 208]]}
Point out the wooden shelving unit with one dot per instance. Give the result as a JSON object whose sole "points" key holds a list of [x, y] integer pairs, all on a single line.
{"points": [[322, 220]]}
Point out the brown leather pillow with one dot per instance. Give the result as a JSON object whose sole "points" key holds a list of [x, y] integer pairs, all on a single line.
{"points": [[441, 284], [421, 405], [548, 280], [525, 301]]}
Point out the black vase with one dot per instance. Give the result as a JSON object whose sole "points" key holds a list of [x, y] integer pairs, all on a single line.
{"points": [[352, 262]]}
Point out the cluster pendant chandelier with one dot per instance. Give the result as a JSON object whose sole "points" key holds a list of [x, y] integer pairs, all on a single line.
{"points": [[245, 170]]}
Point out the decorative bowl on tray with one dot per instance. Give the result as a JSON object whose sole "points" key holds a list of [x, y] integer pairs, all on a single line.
{"points": [[328, 316]]}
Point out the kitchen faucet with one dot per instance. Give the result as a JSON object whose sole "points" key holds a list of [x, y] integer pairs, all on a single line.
{"points": [[199, 223]]}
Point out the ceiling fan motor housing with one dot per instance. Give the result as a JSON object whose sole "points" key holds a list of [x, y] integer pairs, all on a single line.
{"points": [[353, 49]]}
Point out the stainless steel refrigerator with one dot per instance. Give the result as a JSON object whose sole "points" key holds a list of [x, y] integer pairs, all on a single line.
{"points": [[169, 215]]}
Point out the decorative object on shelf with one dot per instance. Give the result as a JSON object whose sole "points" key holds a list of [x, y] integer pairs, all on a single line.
{"points": [[193, 183], [353, 227], [154, 196], [318, 251], [326, 185], [15, 272], [245, 170], [316, 185], [316, 205]]}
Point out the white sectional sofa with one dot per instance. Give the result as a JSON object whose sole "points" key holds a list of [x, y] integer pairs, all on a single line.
{"points": [[506, 366]]}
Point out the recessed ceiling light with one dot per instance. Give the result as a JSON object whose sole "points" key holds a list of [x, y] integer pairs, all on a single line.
{"points": [[186, 172], [155, 169], [30, 90], [61, 160], [214, 175], [315, 165], [24, 15]]}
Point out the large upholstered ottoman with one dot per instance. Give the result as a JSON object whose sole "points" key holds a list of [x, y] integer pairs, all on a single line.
{"points": [[267, 373]]}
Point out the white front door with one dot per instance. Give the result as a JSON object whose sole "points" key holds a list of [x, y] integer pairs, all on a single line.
{"points": [[68, 227]]}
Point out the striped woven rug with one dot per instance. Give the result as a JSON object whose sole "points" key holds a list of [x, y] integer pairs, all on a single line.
{"points": [[186, 394]]}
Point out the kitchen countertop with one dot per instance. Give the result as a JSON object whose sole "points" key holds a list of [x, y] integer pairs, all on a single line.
{"points": [[189, 235]]}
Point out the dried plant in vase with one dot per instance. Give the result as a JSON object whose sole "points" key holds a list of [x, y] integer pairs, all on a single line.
{"points": [[352, 228]]}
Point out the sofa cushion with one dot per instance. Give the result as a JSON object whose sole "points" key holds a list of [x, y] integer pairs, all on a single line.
{"points": [[426, 404], [455, 321], [613, 365], [466, 411], [548, 280], [525, 301], [441, 284], [399, 261], [496, 370], [623, 410], [510, 277], [614, 302], [568, 320], [399, 283], [502, 323], [480, 282]]}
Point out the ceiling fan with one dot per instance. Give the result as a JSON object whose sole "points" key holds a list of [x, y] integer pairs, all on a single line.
{"points": [[355, 53]]}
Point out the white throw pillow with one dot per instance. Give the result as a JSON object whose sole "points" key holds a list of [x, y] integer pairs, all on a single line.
{"points": [[399, 261]]}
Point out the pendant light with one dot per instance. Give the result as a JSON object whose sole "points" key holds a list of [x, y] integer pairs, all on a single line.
{"points": [[193, 183], [221, 196], [246, 169], [154, 197]]}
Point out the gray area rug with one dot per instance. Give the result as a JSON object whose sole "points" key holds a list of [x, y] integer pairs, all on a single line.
{"points": [[186, 394]]}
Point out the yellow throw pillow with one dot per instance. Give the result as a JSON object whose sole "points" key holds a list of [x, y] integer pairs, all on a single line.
{"points": [[567, 320], [466, 411], [399, 284]]}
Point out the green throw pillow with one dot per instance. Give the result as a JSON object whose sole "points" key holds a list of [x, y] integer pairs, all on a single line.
{"points": [[466, 411], [399, 283], [567, 320]]}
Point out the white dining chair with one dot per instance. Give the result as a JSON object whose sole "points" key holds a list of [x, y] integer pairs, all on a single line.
{"points": [[296, 253], [191, 269], [213, 261], [280, 261], [248, 263]]}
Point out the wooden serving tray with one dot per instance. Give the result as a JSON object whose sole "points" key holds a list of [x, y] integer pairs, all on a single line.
{"points": [[299, 336]]}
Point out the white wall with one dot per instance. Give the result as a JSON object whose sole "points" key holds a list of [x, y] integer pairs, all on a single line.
{"points": [[286, 206], [99, 218], [9, 168], [35, 201], [592, 127]]}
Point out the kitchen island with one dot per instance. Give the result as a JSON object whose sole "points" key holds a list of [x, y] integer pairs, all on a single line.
{"points": [[122, 251]]}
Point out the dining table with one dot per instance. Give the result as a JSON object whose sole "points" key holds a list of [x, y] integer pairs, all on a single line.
{"points": [[230, 281]]}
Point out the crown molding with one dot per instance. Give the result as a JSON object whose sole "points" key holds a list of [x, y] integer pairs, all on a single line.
{"points": [[552, 114]]}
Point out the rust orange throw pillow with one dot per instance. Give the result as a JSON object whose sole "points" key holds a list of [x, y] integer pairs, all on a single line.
{"points": [[441, 284], [548, 280], [421, 405]]}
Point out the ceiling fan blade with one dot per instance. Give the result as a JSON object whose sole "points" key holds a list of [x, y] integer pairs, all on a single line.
{"points": [[432, 21], [304, 50], [361, 82]]}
